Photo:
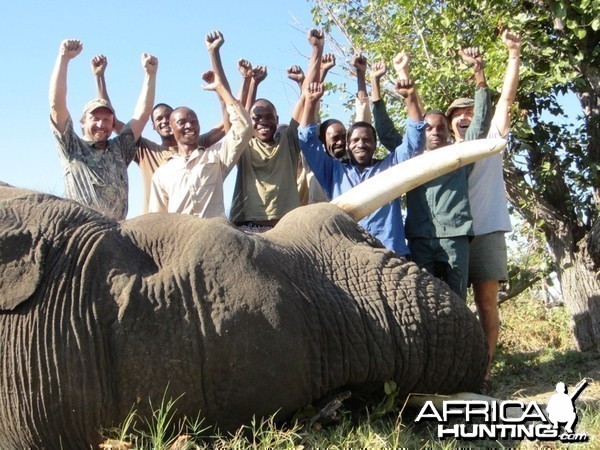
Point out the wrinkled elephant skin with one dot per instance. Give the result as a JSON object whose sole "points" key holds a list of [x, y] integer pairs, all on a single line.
{"points": [[97, 316]]}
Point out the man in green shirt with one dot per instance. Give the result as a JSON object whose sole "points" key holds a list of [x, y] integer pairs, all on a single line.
{"points": [[439, 225]]}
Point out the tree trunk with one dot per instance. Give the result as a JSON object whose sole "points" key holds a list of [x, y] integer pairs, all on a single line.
{"points": [[593, 243], [580, 283], [580, 288]]}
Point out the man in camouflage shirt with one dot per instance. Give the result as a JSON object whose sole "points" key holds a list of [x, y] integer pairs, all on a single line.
{"points": [[95, 167]]}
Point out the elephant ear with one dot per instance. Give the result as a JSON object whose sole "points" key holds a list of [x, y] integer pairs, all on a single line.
{"points": [[22, 255]]}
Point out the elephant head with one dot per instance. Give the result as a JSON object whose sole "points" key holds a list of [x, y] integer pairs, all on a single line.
{"points": [[97, 316]]}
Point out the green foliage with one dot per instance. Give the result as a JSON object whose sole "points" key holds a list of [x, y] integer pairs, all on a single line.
{"points": [[528, 259], [561, 53], [388, 404]]}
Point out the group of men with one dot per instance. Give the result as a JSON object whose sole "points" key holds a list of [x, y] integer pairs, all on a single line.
{"points": [[455, 223]]}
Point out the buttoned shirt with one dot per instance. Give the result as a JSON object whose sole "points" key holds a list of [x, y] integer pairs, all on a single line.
{"points": [[440, 208], [150, 156], [94, 176], [336, 178], [193, 184]]}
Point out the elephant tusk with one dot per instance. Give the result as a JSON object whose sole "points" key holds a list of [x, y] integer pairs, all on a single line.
{"points": [[362, 200]]}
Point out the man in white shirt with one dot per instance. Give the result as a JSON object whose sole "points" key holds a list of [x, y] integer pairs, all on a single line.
{"points": [[192, 181]]}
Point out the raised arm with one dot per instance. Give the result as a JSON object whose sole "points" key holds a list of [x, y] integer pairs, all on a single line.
{"points": [[59, 113], [378, 70], [406, 89], [386, 130], [359, 62], [214, 41], [321, 164], [295, 73], [327, 63], [98, 64], [312, 93], [237, 138], [363, 109], [482, 109], [218, 132], [473, 57], [145, 102], [512, 42], [259, 73], [414, 138], [402, 66], [215, 83], [316, 39], [245, 69]]}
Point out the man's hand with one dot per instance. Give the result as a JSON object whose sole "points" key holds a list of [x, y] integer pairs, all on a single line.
{"points": [[512, 41], [99, 63], [245, 68], [313, 92], [402, 64], [378, 69], [405, 87], [149, 63], [259, 73], [70, 48], [296, 74], [472, 56], [327, 62], [316, 38], [212, 80], [214, 40], [360, 63]]}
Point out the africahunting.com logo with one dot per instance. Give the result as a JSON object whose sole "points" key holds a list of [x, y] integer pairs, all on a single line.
{"points": [[511, 419]]}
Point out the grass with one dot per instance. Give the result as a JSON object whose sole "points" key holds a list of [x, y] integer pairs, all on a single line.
{"points": [[535, 351]]}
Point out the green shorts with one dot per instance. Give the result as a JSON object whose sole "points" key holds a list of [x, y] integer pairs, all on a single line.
{"points": [[488, 260]]}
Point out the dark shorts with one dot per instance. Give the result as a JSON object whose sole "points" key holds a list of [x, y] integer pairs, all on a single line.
{"points": [[488, 259]]}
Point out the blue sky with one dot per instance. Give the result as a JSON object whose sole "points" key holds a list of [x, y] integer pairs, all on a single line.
{"points": [[271, 33]]}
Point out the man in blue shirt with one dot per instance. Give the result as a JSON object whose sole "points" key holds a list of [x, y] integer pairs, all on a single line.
{"points": [[336, 178]]}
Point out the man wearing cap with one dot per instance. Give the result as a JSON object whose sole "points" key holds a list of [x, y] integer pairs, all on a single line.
{"points": [[489, 208], [95, 167]]}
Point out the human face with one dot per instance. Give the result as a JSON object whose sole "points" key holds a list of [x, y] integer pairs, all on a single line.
{"points": [[460, 121], [160, 121], [335, 140], [436, 133], [185, 126], [98, 125], [264, 121], [362, 146]]}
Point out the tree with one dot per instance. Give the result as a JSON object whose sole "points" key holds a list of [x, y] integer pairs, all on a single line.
{"points": [[551, 173]]}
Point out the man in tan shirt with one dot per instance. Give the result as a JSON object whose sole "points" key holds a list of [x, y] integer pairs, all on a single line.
{"points": [[265, 188]]}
